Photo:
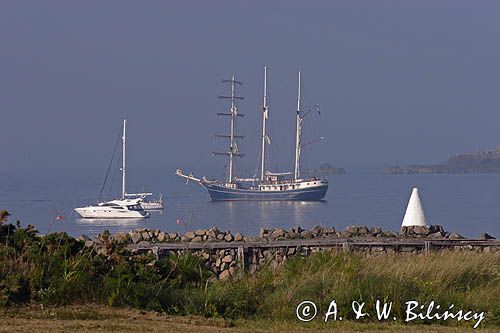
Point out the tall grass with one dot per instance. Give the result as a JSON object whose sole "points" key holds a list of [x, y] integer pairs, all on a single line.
{"points": [[57, 269]]}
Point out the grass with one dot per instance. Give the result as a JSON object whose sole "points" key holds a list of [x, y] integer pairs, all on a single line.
{"points": [[55, 284], [98, 318]]}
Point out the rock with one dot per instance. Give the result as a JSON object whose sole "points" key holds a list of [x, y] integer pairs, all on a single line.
{"points": [[352, 230], [189, 235], [454, 235], [145, 235], [238, 237], [200, 232], [307, 235], [375, 231], [436, 235], [421, 230], [89, 243], [197, 239], [218, 262], [316, 231], [136, 237], [278, 232], [213, 232], [362, 230], [228, 237], [143, 243], [83, 238], [120, 237], [162, 237], [329, 231], [436, 228], [227, 258], [220, 236], [232, 271], [224, 275], [487, 236], [262, 232]]}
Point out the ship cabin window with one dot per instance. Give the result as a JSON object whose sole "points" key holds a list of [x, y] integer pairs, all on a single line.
{"points": [[109, 205], [307, 183], [117, 207]]}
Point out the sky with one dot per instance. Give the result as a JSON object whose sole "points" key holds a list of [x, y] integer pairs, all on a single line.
{"points": [[398, 82]]}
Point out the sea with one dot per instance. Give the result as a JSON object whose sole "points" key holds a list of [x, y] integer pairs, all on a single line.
{"points": [[468, 204]]}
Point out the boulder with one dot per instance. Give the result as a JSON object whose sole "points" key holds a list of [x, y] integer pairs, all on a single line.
{"points": [[120, 237], [329, 231], [278, 232], [200, 232], [189, 235], [238, 237], [435, 235], [487, 236], [316, 231], [136, 237], [224, 275], [454, 235], [213, 232], [420, 230], [375, 231], [197, 239], [162, 236], [228, 237], [229, 258]]}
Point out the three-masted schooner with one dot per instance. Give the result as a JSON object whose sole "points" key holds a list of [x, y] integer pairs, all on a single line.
{"points": [[270, 186]]}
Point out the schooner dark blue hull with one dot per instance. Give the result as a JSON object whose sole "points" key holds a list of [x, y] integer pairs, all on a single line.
{"points": [[221, 193]]}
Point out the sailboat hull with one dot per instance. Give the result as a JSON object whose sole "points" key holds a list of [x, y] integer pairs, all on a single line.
{"points": [[221, 193]]}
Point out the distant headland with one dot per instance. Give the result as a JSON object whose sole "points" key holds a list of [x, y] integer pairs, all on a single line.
{"points": [[327, 169], [478, 162]]}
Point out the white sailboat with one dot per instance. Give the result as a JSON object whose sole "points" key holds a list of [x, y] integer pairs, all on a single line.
{"points": [[130, 205]]}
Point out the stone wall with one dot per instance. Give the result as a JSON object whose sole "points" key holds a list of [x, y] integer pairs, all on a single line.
{"points": [[226, 254]]}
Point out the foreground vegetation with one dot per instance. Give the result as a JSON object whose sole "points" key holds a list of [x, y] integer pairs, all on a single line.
{"points": [[48, 272]]}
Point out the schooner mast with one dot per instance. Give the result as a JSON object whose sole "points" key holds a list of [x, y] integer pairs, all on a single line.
{"points": [[298, 130], [233, 147], [265, 137]]}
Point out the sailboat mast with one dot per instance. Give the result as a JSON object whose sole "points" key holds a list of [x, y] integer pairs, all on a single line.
{"points": [[298, 130], [123, 158], [265, 110]]}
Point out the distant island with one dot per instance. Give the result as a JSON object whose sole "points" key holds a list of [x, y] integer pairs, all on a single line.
{"points": [[327, 169], [478, 162]]}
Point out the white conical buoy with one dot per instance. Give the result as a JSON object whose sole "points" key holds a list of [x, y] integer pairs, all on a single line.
{"points": [[414, 212]]}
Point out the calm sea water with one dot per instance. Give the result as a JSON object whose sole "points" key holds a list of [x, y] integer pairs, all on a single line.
{"points": [[468, 204]]}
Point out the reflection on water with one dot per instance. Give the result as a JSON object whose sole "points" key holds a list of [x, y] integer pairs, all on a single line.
{"points": [[110, 222], [249, 216], [94, 226]]}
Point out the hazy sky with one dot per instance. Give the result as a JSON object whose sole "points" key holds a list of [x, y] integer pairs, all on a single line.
{"points": [[398, 81]]}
